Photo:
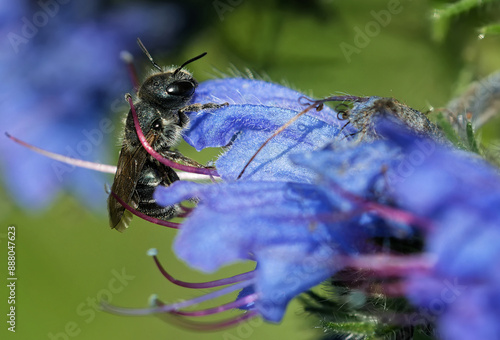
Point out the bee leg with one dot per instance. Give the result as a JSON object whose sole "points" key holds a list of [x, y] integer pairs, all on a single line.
{"points": [[200, 107], [177, 157]]}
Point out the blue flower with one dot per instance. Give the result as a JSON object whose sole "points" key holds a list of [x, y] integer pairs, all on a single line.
{"points": [[313, 203], [274, 215], [288, 213], [459, 193], [61, 77], [296, 227]]}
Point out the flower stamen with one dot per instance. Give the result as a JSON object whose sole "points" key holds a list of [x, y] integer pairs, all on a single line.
{"points": [[210, 284], [105, 168], [222, 308], [207, 326], [384, 211], [179, 305], [148, 218], [179, 319], [64, 159], [156, 155]]}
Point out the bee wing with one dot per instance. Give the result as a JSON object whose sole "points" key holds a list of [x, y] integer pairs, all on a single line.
{"points": [[129, 168]]}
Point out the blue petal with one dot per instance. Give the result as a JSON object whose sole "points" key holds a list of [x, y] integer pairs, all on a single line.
{"points": [[233, 220], [277, 224], [239, 91], [257, 109], [473, 315], [359, 169], [463, 310], [356, 167], [286, 270]]}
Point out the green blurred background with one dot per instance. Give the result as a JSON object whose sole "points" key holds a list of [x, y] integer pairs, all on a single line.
{"points": [[67, 257]]}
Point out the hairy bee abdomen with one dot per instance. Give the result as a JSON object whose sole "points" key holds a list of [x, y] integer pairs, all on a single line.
{"points": [[151, 177]]}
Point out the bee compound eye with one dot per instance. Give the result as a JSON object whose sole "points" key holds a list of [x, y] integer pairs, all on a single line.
{"points": [[181, 88], [157, 125]]}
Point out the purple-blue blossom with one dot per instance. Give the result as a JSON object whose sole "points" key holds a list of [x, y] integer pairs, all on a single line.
{"points": [[457, 192], [277, 215], [61, 78], [296, 232], [460, 194], [314, 203]]}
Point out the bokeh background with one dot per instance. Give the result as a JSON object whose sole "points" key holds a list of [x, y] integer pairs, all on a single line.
{"points": [[63, 81]]}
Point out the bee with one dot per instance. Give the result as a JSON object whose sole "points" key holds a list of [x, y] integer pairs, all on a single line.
{"points": [[364, 116], [161, 106]]}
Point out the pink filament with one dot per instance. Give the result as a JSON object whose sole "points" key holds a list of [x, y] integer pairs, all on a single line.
{"points": [[64, 159], [179, 319], [219, 309], [159, 157], [382, 265], [91, 165], [201, 285], [385, 211], [208, 326], [139, 214], [176, 306]]}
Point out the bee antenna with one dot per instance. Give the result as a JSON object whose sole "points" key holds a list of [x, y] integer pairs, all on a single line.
{"points": [[190, 61], [143, 48]]}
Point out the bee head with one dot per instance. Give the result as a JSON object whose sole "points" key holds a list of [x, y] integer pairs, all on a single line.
{"points": [[170, 89]]}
